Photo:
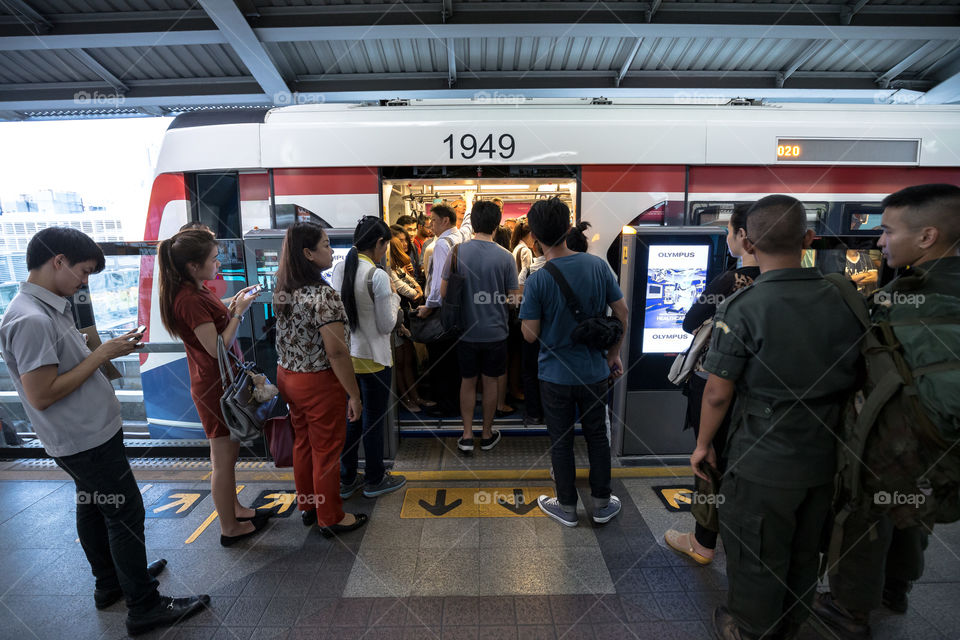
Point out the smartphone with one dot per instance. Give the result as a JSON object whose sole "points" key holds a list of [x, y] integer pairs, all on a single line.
{"points": [[254, 292], [140, 330]]}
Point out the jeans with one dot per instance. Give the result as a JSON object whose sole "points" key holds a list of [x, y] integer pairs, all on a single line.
{"points": [[560, 405], [531, 384], [110, 522], [375, 396]]}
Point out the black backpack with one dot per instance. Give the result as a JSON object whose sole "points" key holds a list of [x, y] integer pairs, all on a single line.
{"points": [[451, 307]]}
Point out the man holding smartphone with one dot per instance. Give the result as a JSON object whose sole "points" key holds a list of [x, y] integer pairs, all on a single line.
{"points": [[75, 413]]}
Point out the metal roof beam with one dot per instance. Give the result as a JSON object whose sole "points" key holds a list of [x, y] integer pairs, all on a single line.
{"points": [[11, 115], [797, 62], [248, 47], [618, 30], [451, 64], [112, 39], [24, 12], [629, 61], [654, 6], [847, 12], [100, 70], [947, 92], [906, 63]]}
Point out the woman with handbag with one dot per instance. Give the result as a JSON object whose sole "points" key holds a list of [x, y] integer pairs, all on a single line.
{"points": [[410, 295], [371, 306], [700, 545], [315, 375], [194, 314]]}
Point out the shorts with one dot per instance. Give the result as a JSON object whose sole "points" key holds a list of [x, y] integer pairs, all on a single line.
{"points": [[487, 358]]}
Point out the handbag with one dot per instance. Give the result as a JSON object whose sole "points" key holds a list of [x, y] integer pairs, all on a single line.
{"points": [[686, 361], [427, 330], [244, 403], [278, 433], [595, 332]]}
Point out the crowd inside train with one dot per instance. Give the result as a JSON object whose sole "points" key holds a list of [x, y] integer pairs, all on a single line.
{"points": [[766, 395]]}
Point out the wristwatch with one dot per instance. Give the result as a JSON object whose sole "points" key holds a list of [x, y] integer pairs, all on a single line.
{"points": [[238, 316]]}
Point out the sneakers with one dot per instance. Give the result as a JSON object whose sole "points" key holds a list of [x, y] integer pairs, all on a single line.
{"points": [[607, 513], [347, 490], [489, 443], [551, 507], [388, 484], [465, 444]]}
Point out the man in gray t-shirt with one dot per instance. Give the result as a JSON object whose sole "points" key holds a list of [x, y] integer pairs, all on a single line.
{"points": [[75, 413], [489, 288]]}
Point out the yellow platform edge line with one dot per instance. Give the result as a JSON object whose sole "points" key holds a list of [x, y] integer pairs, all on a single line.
{"points": [[513, 474]]}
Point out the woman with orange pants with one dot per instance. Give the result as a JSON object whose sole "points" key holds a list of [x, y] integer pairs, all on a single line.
{"points": [[315, 376]]}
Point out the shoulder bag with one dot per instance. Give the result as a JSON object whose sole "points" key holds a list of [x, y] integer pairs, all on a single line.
{"points": [[685, 362], [244, 402], [595, 332]]}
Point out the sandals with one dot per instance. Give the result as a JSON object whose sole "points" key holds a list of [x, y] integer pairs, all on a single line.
{"points": [[680, 542]]}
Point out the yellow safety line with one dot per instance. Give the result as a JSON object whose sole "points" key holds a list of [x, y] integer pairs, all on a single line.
{"points": [[538, 474], [206, 523]]}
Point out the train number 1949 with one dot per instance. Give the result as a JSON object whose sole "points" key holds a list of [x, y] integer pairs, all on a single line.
{"points": [[470, 147]]}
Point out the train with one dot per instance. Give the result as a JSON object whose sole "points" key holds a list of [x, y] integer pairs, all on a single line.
{"points": [[618, 164]]}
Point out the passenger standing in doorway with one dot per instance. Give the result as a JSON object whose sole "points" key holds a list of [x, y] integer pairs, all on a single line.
{"points": [[443, 372], [371, 305], [530, 352], [702, 543], [315, 375], [490, 284], [194, 314], [781, 449], [410, 294], [75, 413], [573, 377], [409, 225]]}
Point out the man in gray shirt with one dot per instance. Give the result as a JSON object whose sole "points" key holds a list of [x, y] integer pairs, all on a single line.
{"points": [[490, 285], [75, 413]]}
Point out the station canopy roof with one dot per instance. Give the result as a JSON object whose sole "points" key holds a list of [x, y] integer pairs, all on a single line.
{"points": [[81, 58]]}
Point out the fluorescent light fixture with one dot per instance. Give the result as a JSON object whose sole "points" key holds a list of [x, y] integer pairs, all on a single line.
{"points": [[547, 187], [450, 187], [504, 187]]}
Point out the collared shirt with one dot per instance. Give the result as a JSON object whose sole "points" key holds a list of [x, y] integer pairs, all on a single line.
{"points": [[441, 252], [789, 342], [943, 276], [38, 330]]}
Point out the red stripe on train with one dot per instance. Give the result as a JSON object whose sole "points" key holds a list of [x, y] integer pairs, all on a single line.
{"points": [[800, 180], [619, 178], [326, 181]]}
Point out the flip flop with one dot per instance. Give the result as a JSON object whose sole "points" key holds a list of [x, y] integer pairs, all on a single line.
{"points": [[673, 540]]}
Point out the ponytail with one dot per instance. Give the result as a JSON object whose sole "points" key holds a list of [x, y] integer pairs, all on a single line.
{"points": [[173, 256], [369, 231], [577, 239]]}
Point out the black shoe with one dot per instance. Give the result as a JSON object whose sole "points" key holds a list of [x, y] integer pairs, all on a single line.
{"points": [[465, 445], [838, 623], [337, 529], [259, 522], [309, 518], [169, 611], [489, 443], [504, 413], [895, 600], [104, 598], [725, 626]]}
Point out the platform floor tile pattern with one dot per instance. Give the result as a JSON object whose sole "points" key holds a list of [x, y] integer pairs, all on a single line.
{"points": [[422, 579]]}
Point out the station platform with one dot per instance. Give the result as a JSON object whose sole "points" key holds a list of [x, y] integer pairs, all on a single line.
{"points": [[460, 552]]}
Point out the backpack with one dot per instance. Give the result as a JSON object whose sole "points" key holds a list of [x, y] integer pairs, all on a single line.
{"points": [[898, 452], [451, 307]]}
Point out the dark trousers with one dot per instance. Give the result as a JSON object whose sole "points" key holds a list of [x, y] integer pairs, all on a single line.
{"points": [[873, 555], [444, 376], [530, 352], [772, 538], [375, 396], [706, 535], [110, 522], [560, 405]]}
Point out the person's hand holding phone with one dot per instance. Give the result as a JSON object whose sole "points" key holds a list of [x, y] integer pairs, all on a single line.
{"points": [[119, 346], [243, 299]]}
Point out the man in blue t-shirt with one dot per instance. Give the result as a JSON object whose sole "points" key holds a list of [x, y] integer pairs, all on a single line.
{"points": [[572, 376]]}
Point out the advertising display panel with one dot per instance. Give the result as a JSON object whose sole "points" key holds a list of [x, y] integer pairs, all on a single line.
{"points": [[676, 275]]}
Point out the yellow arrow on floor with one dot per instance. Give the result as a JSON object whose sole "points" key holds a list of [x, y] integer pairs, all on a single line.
{"points": [[282, 500], [184, 501], [206, 523], [676, 496]]}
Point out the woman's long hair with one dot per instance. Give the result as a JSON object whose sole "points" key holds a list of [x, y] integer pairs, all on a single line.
{"points": [[173, 256], [294, 270], [365, 237], [519, 232], [399, 258]]}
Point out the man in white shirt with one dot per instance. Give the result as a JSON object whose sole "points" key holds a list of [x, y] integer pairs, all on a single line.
{"points": [[444, 373]]}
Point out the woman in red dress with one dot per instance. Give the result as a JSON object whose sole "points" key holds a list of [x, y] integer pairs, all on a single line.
{"points": [[194, 314]]}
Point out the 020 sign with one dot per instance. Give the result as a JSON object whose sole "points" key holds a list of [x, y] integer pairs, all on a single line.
{"points": [[469, 146]]}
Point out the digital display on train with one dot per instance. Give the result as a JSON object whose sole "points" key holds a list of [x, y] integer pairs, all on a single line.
{"points": [[269, 259], [339, 253], [676, 275]]}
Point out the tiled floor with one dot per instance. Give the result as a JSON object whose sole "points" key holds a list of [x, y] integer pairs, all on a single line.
{"points": [[517, 578]]}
